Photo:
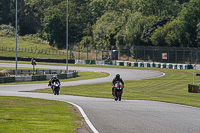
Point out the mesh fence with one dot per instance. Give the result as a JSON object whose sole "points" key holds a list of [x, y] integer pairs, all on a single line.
{"points": [[141, 53], [136, 53]]}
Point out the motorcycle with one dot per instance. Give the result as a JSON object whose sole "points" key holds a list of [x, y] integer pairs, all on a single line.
{"points": [[56, 88], [118, 90]]}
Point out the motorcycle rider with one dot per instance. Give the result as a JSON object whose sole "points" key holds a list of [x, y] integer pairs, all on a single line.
{"points": [[52, 80], [117, 78]]}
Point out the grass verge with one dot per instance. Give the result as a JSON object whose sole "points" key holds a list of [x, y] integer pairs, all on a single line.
{"points": [[27, 115]]}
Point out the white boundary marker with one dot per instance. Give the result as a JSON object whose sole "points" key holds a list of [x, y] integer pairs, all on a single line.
{"points": [[85, 117]]}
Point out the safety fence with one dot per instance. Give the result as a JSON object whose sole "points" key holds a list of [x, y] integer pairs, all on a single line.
{"points": [[181, 55]]}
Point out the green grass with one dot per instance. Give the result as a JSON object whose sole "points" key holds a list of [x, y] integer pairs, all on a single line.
{"points": [[33, 43], [10, 42], [172, 88], [28, 54], [28, 115], [21, 43]]}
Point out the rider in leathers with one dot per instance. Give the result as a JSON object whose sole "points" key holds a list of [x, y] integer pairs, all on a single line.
{"points": [[117, 78], [52, 80]]}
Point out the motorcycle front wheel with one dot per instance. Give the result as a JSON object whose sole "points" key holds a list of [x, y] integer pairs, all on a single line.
{"points": [[120, 95]]}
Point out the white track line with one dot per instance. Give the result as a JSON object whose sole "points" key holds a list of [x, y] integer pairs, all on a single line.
{"points": [[85, 117]]}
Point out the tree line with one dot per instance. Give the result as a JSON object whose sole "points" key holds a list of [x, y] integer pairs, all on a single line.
{"points": [[102, 23]]}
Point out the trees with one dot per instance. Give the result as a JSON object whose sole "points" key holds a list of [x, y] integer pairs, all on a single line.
{"points": [[55, 23], [158, 7], [7, 12], [169, 35], [105, 29], [121, 23], [190, 14], [198, 35]]}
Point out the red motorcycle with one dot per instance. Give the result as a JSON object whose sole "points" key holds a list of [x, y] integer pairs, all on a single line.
{"points": [[118, 90]]}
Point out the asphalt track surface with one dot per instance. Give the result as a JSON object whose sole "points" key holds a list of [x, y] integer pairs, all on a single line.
{"points": [[108, 116]]}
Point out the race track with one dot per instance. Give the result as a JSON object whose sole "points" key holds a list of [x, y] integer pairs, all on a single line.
{"points": [[127, 116]]}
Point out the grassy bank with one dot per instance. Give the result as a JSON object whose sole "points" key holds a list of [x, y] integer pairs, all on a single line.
{"points": [[27, 43], [23, 43], [28, 54], [28, 115]]}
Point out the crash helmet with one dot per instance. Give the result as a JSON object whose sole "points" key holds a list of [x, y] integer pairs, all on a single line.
{"points": [[54, 77], [117, 76]]}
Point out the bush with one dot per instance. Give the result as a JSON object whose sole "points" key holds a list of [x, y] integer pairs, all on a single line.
{"points": [[7, 30], [3, 72], [34, 38]]}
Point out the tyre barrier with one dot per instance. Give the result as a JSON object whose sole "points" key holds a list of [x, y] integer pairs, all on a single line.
{"points": [[38, 77], [137, 64], [193, 88], [7, 79]]}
